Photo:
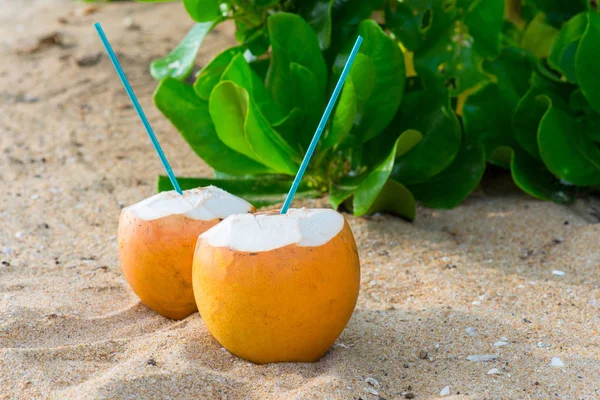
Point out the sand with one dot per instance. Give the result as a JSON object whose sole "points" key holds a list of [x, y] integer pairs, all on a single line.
{"points": [[451, 285]]}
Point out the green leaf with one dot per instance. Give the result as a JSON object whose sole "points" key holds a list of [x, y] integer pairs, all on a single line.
{"points": [[265, 3], [307, 85], [538, 36], [352, 12], [526, 119], [346, 15], [394, 198], [450, 62], [349, 111], [384, 98], [450, 187], [372, 191], [429, 113], [487, 119], [239, 72], [190, 115], [586, 61], [512, 70], [179, 63], [559, 11], [566, 150], [343, 117], [203, 10], [318, 14], [257, 40], [487, 114], [340, 192], [564, 47], [242, 127], [260, 192], [363, 75], [293, 42], [368, 190], [485, 19], [533, 178], [585, 115], [289, 126], [532, 107], [261, 67], [409, 139], [210, 75], [416, 22]]}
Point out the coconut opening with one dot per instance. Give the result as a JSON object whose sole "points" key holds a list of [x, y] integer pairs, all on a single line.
{"points": [[201, 204], [256, 233]]}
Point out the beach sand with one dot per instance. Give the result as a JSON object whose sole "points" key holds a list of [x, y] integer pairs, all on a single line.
{"points": [[502, 275]]}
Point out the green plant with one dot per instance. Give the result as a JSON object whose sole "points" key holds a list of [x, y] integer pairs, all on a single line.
{"points": [[439, 89]]}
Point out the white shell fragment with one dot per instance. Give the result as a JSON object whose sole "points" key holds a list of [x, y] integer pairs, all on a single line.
{"points": [[372, 381], [200, 204], [445, 391], [557, 362], [371, 390], [558, 273], [483, 357], [255, 233]]}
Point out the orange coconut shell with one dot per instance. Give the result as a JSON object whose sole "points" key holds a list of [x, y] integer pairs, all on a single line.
{"points": [[156, 258], [287, 304]]}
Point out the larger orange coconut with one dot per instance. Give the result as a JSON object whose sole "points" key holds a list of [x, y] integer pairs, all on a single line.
{"points": [[157, 238], [277, 288]]}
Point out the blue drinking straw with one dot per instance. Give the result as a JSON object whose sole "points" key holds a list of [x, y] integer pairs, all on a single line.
{"points": [[321, 127], [136, 105]]}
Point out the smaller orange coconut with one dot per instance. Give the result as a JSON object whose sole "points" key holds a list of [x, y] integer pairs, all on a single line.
{"points": [[157, 238], [277, 288]]}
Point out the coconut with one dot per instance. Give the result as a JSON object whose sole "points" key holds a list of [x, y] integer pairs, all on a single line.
{"points": [[157, 238], [277, 288]]}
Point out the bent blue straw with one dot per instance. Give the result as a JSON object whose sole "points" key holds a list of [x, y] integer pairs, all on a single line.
{"points": [[321, 127], [137, 106]]}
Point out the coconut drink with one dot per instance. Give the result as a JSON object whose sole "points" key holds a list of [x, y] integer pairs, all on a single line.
{"points": [[157, 238], [277, 288], [280, 287]]}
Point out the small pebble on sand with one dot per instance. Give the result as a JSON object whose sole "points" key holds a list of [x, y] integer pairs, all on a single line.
{"points": [[445, 391], [557, 272], [7, 250], [494, 371], [470, 331], [130, 23], [500, 343], [19, 235], [557, 362], [543, 345]]}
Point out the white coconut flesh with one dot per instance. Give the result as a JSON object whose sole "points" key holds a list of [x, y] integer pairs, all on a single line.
{"points": [[200, 204], [257, 233]]}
